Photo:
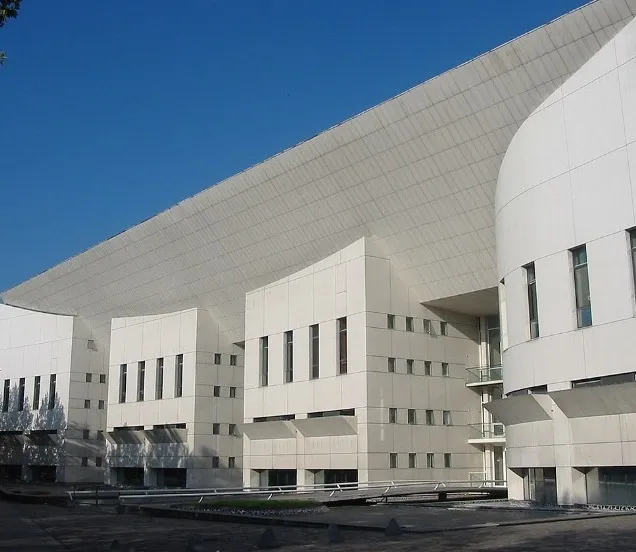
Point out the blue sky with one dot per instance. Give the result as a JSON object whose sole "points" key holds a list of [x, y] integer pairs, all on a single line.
{"points": [[111, 112]]}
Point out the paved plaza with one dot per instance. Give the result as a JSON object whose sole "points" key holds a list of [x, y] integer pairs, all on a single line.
{"points": [[31, 528]]}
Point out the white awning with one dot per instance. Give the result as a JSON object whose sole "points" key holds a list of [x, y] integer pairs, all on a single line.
{"points": [[268, 430], [520, 409], [602, 400], [327, 426]]}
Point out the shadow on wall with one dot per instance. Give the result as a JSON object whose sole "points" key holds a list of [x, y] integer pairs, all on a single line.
{"points": [[30, 437]]}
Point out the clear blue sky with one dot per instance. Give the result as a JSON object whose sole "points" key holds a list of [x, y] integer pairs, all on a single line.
{"points": [[113, 111]]}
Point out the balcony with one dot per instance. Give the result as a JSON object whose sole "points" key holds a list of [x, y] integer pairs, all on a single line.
{"points": [[484, 375], [494, 432]]}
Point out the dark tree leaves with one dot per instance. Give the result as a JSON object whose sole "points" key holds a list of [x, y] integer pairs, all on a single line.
{"points": [[8, 10]]}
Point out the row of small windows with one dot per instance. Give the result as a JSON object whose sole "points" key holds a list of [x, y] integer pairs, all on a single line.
{"points": [[314, 353], [159, 380], [582, 296], [411, 417], [428, 367], [98, 462], [430, 460], [427, 325], [231, 430], [36, 405], [89, 378]]}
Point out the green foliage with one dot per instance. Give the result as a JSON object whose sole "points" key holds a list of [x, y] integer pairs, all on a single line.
{"points": [[8, 10]]}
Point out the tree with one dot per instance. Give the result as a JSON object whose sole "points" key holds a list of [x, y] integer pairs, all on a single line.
{"points": [[8, 10]]}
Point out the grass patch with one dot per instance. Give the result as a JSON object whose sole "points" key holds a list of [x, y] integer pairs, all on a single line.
{"points": [[257, 504]]}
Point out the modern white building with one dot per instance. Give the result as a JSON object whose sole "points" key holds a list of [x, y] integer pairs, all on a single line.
{"points": [[393, 299]]}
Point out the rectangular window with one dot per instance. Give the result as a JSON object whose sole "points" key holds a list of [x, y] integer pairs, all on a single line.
{"points": [[231, 462], [430, 417], [100, 405], [102, 378], [36, 393], [581, 287], [427, 367], [390, 321], [632, 248], [89, 377], [86, 434], [446, 417], [445, 372], [232, 392], [412, 460], [409, 323], [141, 380], [447, 460], [87, 403], [217, 358], [430, 460], [178, 376], [412, 416], [533, 311], [393, 460], [217, 391], [98, 462], [232, 360], [289, 356], [443, 328], [393, 415], [123, 376], [409, 365], [84, 461], [21, 384], [100, 435], [52, 391], [216, 429], [314, 351], [159, 379], [215, 461], [231, 430], [264, 361], [427, 326], [391, 364], [342, 345]]}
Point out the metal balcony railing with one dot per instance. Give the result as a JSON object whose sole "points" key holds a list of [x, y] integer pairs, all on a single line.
{"points": [[493, 430], [482, 375]]}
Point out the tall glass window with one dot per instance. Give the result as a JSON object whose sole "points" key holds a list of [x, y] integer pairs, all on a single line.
{"points": [[264, 361], [52, 391], [123, 377], [342, 345], [36, 393], [581, 287], [141, 380], [632, 248], [21, 385], [314, 337], [289, 356], [493, 333], [159, 380], [533, 311], [5, 396], [178, 376]]}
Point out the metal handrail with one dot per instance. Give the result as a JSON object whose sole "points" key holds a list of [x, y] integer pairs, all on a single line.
{"points": [[484, 374], [490, 430], [426, 485]]}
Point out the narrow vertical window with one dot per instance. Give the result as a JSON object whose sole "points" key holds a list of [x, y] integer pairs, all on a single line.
{"points": [[427, 367], [314, 337], [393, 415], [581, 287], [159, 380], [632, 248], [390, 321], [430, 417], [430, 460], [447, 460], [391, 364], [232, 360], [123, 376], [141, 380], [533, 311], [52, 391], [232, 392], [443, 328], [445, 371], [409, 323], [446, 417], [5, 396], [393, 460], [216, 390], [36, 393], [217, 358], [412, 417], [264, 361], [427, 326], [89, 377], [289, 356], [412, 460], [178, 376], [409, 365], [21, 384], [342, 345]]}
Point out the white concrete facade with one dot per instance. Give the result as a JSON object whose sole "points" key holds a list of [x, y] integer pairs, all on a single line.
{"points": [[428, 208], [53, 381], [566, 182]]}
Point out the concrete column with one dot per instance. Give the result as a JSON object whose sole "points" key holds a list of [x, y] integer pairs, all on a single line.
{"points": [[251, 478], [515, 484], [571, 487], [150, 477], [26, 474]]}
